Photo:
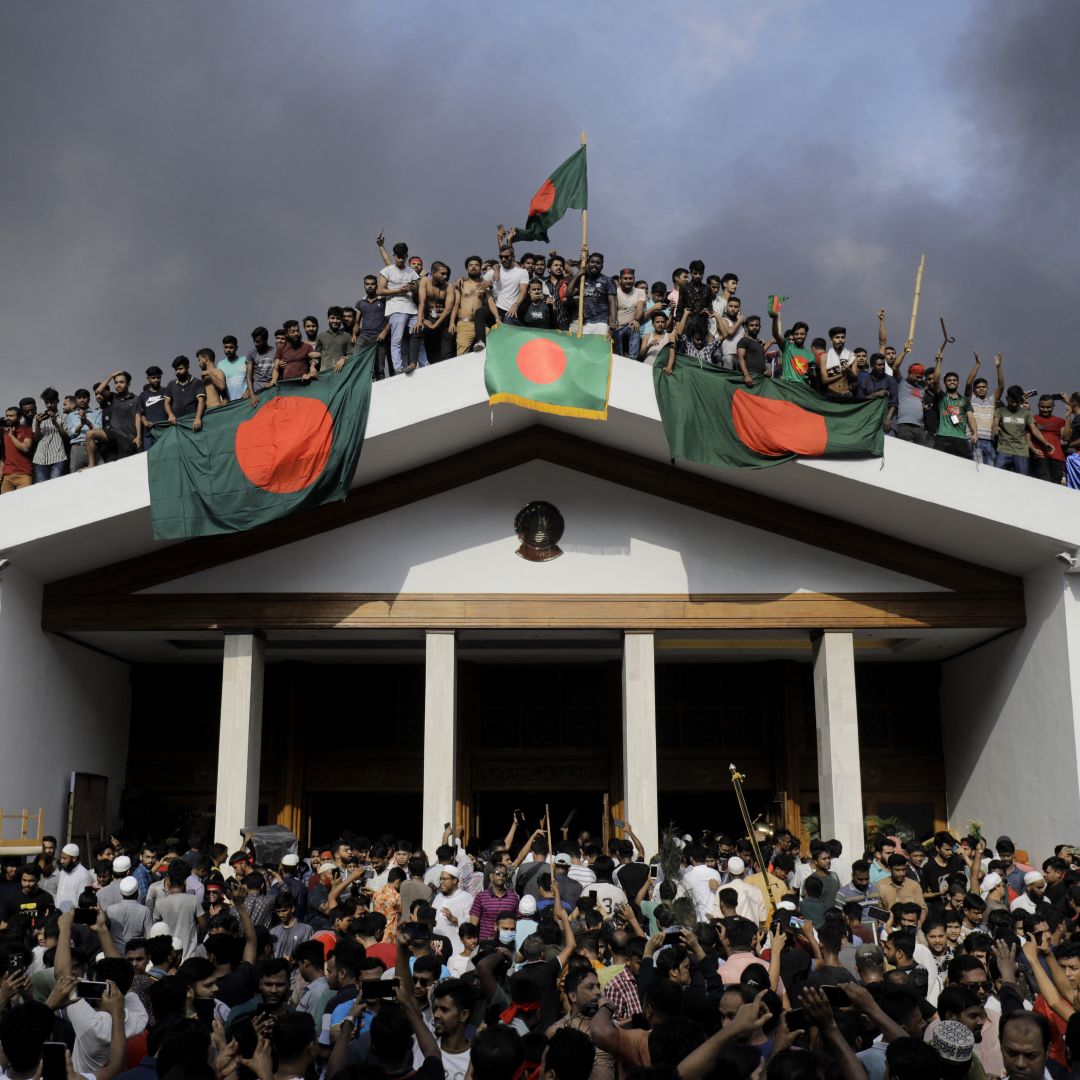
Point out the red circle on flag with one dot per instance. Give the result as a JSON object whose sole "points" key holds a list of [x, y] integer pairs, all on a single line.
{"points": [[774, 428], [286, 444], [543, 200], [541, 360]]}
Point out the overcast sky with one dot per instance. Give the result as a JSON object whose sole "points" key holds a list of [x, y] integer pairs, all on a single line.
{"points": [[175, 171]]}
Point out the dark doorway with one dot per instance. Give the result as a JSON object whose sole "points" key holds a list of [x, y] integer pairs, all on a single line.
{"points": [[494, 810], [370, 814], [718, 811]]}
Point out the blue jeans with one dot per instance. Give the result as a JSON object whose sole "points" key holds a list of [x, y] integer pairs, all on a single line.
{"points": [[984, 452], [401, 323], [1014, 461], [49, 472], [627, 341]]}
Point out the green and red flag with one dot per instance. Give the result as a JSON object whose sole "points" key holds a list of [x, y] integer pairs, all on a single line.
{"points": [[296, 450], [711, 416], [565, 189], [775, 303], [549, 371]]}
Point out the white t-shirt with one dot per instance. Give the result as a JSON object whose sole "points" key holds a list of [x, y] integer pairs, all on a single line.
{"points": [[507, 285], [697, 881], [609, 898], [93, 1031], [395, 279], [626, 304], [454, 1065]]}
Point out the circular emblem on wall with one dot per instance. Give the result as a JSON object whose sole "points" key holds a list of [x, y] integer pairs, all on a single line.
{"points": [[539, 527]]}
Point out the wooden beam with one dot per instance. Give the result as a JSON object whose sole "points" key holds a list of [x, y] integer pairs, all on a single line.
{"points": [[361, 611], [662, 480]]}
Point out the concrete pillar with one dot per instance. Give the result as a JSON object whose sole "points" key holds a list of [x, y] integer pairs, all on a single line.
{"points": [[240, 737], [440, 736], [839, 772], [639, 738]]}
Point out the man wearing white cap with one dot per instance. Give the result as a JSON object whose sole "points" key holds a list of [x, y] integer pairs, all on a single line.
{"points": [[128, 918], [74, 877], [452, 906], [751, 904], [993, 890], [286, 880], [1032, 897], [110, 894]]}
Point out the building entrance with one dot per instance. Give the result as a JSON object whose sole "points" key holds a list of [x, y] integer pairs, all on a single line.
{"points": [[493, 813]]}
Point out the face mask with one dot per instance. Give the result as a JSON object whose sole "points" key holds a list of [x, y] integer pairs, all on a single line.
{"points": [[507, 937]]}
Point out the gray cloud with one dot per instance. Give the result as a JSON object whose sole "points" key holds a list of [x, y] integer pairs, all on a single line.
{"points": [[177, 172]]}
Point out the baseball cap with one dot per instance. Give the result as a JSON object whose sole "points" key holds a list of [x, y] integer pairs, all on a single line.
{"points": [[870, 954], [562, 859]]}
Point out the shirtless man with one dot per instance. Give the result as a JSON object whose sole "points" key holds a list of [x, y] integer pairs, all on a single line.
{"points": [[213, 379], [471, 294], [435, 313]]}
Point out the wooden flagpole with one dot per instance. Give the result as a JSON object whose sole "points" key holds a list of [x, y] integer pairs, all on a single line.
{"points": [[584, 256], [915, 302]]}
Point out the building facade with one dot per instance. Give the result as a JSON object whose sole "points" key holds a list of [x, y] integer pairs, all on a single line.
{"points": [[891, 637]]}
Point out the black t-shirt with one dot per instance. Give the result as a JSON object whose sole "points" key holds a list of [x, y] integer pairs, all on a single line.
{"points": [[630, 877], [539, 316], [239, 985], [37, 902], [755, 355], [122, 414], [184, 396], [151, 405]]}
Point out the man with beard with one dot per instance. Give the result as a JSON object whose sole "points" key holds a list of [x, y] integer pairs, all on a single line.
{"points": [[796, 359], [471, 294], [372, 327], [452, 906], [74, 877], [582, 989]]}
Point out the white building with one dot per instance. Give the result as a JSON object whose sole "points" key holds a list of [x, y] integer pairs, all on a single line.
{"points": [[390, 663]]}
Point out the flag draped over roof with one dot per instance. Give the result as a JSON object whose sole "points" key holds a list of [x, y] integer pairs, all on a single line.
{"points": [[566, 188], [298, 449], [549, 371], [711, 416]]}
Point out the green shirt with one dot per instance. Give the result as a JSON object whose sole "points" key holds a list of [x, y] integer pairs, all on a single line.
{"points": [[796, 363], [952, 417], [1013, 426]]}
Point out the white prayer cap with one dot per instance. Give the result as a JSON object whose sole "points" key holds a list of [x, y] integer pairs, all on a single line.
{"points": [[735, 866], [70, 849], [121, 864], [129, 886]]}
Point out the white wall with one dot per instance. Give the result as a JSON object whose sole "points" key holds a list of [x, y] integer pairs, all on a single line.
{"points": [[1010, 718], [617, 541], [63, 708]]}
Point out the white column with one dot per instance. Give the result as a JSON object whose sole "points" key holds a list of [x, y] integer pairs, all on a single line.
{"points": [[839, 772], [639, 738], [440, 736], [240, 737]]}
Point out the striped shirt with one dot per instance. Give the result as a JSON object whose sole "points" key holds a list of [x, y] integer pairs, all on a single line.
{"points": [[490, 908], [50, 448]]}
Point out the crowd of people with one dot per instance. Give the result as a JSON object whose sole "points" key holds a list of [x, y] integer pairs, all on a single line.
{"points": [[416, 317], [541, 960]]}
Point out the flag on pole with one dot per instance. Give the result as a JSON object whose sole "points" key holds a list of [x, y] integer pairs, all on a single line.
{"points": [[549, 371], [711, 416], [565, 189], [297, 450]]}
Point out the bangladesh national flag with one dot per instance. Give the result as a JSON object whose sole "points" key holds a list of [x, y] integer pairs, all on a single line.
{"points": [[566, 188], [297, 450], [711, 416], [549, 371]]}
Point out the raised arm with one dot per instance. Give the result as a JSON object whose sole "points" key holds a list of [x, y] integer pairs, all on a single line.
{"points": [[62, 960], [105, 938], [380, 242], [247, 927], [639, 847], [113, 1001], [508, 839], [882, 333], [1000, 365], [972, 374], [569, 941], [749, 1020], [778, 330], [526, 848]]}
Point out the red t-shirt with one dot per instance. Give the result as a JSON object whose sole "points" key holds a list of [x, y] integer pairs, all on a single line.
{"points": [[1051, 428], [16, 461], [297, 364]]}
